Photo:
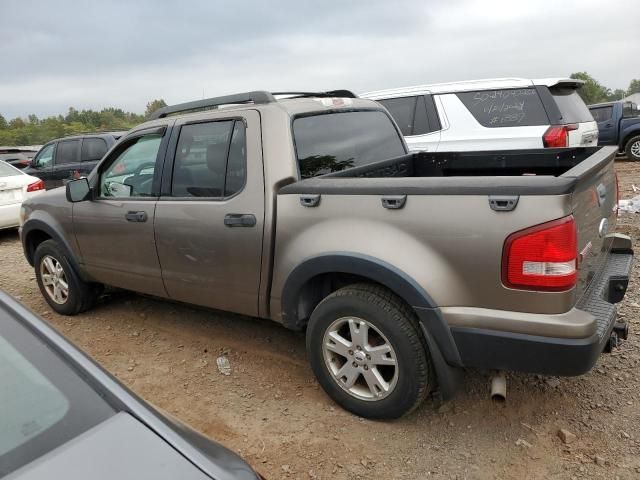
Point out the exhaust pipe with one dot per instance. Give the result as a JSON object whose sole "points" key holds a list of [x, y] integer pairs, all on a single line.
{"points": [[621, 329], [499, 387]]}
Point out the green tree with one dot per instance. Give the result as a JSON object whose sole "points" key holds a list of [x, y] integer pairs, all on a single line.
{"points": [[154, 105], [617, 94], [38, 131], [634, 86], [592, 91]]}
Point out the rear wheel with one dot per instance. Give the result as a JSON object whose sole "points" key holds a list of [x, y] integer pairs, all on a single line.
{"points": [[59, 283], [367, 354], [632, 149]]}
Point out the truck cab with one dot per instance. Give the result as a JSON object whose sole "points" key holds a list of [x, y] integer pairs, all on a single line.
{"points": [[619, 125]]}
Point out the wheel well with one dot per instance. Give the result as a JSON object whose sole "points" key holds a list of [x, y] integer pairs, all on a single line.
{"points": [[35, 238], [317, 288], [627, 138]]}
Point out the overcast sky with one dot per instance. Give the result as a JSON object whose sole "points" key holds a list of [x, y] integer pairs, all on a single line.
{"points": [[125, 53]]}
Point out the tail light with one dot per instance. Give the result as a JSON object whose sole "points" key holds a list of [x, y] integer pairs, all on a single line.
{"points": [[35, 186], [543, 257], [557, 136]]}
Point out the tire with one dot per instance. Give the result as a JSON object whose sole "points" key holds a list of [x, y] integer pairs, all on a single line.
{"points": [[632, 149], [353, 378], [53, 271]]}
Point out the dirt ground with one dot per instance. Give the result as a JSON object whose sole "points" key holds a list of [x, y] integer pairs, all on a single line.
{"points": [[272, 411]]}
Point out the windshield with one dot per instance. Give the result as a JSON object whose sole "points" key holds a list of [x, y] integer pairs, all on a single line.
{"points": [[331, 142], [571, 106], [7, 170], [43, 403]]}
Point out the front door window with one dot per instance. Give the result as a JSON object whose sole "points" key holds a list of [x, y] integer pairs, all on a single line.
{"points": [[45, 157], [131, 173]]}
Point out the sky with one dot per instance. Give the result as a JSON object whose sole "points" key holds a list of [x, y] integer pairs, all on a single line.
{"points": [[124, 54]]}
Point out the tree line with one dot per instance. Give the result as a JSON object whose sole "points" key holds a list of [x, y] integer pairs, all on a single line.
{"points": [[37, 131], [594, 92]]}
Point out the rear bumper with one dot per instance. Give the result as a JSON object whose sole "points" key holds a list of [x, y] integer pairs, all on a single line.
{"points": [[483, 346]]}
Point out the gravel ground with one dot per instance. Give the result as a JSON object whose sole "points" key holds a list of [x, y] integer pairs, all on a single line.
{"points": [[271, 410]]}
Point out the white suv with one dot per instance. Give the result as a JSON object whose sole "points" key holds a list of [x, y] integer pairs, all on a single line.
{"points": [[496, 114]]}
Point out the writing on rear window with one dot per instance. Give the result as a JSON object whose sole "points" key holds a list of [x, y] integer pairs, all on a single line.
{"points": [[506, 107]]}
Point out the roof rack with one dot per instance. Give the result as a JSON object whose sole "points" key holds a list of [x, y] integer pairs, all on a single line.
{"points": [[256, 97], [330, 93], [96, 132]]}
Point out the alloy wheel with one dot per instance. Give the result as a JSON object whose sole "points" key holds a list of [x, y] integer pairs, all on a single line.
{"points": [[360, 358], [54, 280]]}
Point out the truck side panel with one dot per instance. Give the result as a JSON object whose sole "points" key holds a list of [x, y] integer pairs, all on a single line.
{"points": [[450, 245]]}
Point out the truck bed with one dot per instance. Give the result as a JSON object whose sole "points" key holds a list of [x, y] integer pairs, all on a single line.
{"points": [[517, 172], [438, 217]]}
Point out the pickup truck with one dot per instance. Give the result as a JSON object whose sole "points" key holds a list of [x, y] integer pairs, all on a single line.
{"points": [[619, 124], [402, 268]]}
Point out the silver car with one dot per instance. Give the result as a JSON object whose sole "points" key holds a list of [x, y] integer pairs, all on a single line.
{"points": [[62, 416]]}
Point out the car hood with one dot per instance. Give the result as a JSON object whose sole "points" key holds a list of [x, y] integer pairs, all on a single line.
{"points": [[120, 447]]}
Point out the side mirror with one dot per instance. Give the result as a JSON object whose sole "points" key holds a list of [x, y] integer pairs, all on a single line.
{"points": [[78, 190]]}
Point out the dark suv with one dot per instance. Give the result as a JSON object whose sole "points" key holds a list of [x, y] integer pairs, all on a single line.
{"points": [[70, 157]]}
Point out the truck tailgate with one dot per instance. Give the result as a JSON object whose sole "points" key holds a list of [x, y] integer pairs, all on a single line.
{"points": [[594, 207]]}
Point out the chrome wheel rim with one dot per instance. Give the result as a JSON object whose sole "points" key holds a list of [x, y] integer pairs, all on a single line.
{"points": [[360, 359], [635, 149], [54, 280]]}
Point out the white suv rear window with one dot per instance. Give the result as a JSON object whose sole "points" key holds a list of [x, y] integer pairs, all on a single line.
{"points": [[513, 107]]}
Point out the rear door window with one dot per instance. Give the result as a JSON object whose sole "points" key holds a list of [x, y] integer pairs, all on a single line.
{"points": [[513, 107], [67, 152], [410, 113], [93, 149], [403, 112], [210, 160], [331, 142], [602, 114], [571, 106]]}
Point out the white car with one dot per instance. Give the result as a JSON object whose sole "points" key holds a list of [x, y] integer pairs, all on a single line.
{"points": [[15, 187], [495, 114]]}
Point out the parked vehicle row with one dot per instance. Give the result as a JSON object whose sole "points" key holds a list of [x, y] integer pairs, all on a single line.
{"points": [[403, 268], [494, 114], [619, 125]]}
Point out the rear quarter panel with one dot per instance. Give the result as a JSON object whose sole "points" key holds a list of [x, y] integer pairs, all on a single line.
{"points": [[451, 245]]}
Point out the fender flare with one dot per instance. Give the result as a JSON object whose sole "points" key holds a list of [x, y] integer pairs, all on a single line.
{"points": [[628, 134], [431, 321], [37, 224]]}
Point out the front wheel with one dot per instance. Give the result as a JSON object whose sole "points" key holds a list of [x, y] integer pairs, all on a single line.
{"points": [[59, 284], [632, 149], [367, 354]]}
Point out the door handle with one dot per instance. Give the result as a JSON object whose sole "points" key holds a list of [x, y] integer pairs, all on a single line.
{"points": [[309, 200], [239, 220], [608, 125], [394, 202], [136, 216]]}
